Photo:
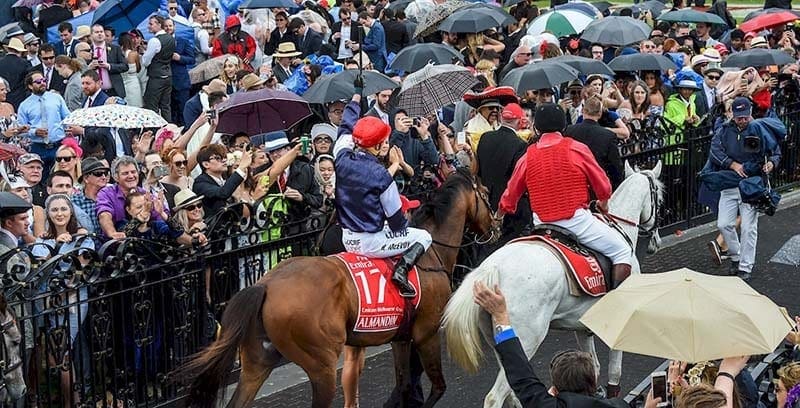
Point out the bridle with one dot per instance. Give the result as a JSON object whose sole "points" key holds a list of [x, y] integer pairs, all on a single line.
{"points": [[493, 232], [648, 227]]}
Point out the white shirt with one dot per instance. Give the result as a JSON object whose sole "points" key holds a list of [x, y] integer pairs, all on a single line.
{"points": [[90, 100], [153, 47], [345, 52]]}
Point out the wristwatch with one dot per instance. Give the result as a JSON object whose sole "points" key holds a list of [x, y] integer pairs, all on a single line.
{"points": [[499, 328]]}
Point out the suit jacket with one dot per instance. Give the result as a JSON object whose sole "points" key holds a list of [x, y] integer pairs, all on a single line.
{"points": [[119, 64], [701, 102], [100, 100], [93, 136], [497, 159], [52, 16], [603, 144], [375, 46], [396, 35], [68, 50], [215, 197], [192, 110], [280, 74], [275, 38], [56, 82], [337, 28], [180, 68], [311, 44], [530, 391], [301, 178], [13, 69]]}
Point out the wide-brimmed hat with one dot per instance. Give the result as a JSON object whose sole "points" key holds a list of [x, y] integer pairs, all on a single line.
{"points": [[275, 140], [83, 31], [216, 85], [501, 95], [687, 84], [250, 81], [16, 45], [286, 49], [185, 198], [759, 42], [30, 38]]}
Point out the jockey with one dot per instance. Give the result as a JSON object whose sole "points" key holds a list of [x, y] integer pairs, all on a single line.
{"points": [[557, 172], [368, 204]]}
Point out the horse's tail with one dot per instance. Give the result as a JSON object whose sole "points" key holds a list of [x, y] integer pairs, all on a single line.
{"points": [[205, 372], [461, 319]]}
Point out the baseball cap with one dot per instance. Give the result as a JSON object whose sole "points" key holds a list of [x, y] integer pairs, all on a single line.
{"points": [[29, 157], [513, 111], [742, 107]]}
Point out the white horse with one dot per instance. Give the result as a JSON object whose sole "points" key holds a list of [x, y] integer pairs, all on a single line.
{"points": [[533, 281]]}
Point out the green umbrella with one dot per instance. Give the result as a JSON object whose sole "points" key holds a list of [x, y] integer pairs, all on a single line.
{"points": [[691, 16], [560, 22]]}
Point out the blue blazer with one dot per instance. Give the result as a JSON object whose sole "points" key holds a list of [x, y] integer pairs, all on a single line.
{"points": [[180, 68], [101, 99], [68, 51], [375, 46], [192, 110], [312, 43]]}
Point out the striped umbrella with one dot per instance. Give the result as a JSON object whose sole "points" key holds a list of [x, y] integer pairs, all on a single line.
{"points": [[560, 22], [434, 86]]}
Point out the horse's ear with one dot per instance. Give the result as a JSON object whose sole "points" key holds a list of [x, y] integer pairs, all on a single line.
{"points": [[657, 169], [628, 169]]}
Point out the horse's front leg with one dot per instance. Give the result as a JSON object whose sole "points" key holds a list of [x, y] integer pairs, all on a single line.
{"points": [[585, 341], [431, 355]]}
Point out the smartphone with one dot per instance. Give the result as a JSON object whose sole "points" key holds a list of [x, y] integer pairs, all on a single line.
{"points": [[416, 121], [658, 380], [212, 114], [461, 137], [160, 171]]}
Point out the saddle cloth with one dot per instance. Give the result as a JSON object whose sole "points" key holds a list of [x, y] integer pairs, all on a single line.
{"points": [[380, 306], [582, 269]]}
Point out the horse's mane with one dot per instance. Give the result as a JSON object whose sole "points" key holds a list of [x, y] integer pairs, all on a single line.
{"points": [[439, 206]]}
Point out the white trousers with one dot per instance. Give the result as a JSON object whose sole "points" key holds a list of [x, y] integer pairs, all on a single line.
{"points": [[596, 235], [385, 243], [744, 251]]}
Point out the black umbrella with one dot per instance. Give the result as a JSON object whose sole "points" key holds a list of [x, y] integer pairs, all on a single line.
{"points": [[539, 76], [399, 5], [655, 7], [339, 86], [691, 16], [259, 4], [586, 66], [12, 204], [642, 62], [616, 30], [474, 19], [603, 6], [758, 57], [415, 57]]}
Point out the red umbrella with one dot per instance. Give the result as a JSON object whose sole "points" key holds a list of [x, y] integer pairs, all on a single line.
{"points": [[768, 20], [261, 111]]}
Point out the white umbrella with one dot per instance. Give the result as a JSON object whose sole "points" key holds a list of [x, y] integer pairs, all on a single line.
{"points": [[560, 22], [115, 116]]}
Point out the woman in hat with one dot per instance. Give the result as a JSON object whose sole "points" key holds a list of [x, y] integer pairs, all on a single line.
{"points": [[130, 78], [323, 136], [231, 66], [188, 211]]}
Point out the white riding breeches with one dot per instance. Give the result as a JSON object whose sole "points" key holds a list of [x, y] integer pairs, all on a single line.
{"points": [[596, 235], [386, 243]]}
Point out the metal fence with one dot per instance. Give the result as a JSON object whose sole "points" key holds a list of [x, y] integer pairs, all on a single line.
{"points": [[106, 327]]}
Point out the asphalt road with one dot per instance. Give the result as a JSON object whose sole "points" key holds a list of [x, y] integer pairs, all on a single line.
{"points": [[776, 280]]}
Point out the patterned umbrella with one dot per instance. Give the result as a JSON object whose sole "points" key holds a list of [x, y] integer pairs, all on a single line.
{"points": [[207, 70], [433, 87], [115, 116], [560, 22], [430, 22], [261, 111]]}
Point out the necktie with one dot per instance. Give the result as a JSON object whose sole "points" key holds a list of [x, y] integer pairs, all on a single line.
{"points": [[713, 100], [47, 75], [282, 182], [89, 102]]}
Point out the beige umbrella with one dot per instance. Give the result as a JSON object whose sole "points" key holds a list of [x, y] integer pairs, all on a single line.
{"points": [[688, 316]]}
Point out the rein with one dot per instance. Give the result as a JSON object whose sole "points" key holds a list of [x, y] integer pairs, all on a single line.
{"points": [[493, 232], [643, 231]]}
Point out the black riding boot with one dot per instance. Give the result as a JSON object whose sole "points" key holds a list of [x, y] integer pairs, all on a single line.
{"points": [[619, 273], [404, 264]]}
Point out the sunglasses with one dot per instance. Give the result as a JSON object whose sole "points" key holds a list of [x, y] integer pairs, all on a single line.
{"points": [[39, 81], [100, 173], [324, 139], [173, 8], [193, 207], [713, 77], [49, 58], [181, 163], [64, 159]]}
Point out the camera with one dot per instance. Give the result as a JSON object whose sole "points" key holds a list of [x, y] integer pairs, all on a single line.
{"points": [[752, 144]]}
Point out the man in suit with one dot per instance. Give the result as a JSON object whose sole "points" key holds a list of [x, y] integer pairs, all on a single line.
{"points": [[109, 62], [182, 61], [14, 224], [601, 141], [707, 95], [345, 32], [13, 68], [283, 68], [198, 103], [67, 44], [157, 58], [55, 82], [396, 34], [53, 15], [113, 142], [308, 41], [496, 161], [211, 184], [374, 43]]}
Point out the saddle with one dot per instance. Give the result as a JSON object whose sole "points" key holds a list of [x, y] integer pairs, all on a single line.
{"points": [[588, 269]]}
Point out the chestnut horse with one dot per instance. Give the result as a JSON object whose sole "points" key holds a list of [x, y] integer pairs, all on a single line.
{"points": [[305, 309]]}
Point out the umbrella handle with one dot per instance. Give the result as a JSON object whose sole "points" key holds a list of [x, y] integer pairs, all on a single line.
{"points": [[785, 314]]}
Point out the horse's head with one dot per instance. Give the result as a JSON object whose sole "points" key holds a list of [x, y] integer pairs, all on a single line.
{"points": [[648, 216], [12, 383], [480, 218]]}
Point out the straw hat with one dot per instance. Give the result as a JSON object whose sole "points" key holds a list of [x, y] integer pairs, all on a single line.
{"points": [[83, 32], [16, 45], [216, 85], [185, 198], [286, 49]]}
